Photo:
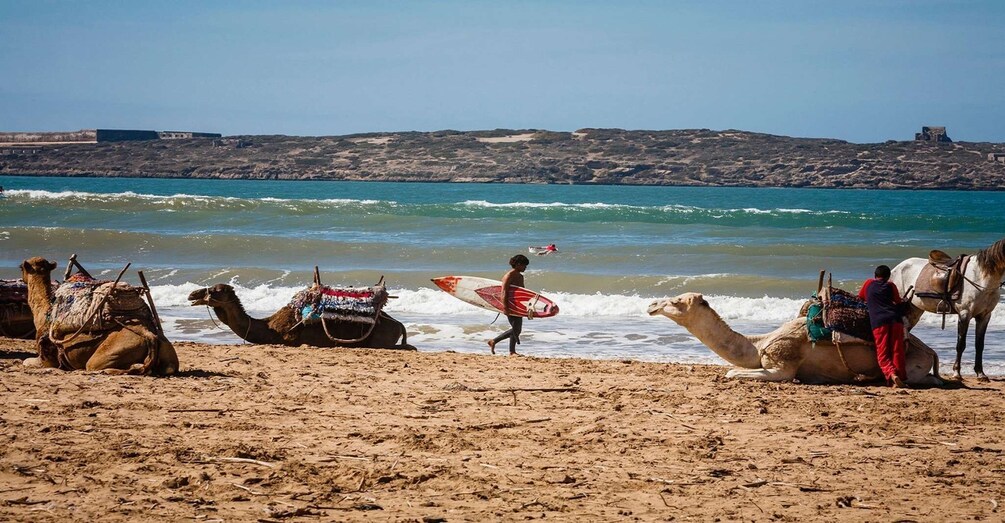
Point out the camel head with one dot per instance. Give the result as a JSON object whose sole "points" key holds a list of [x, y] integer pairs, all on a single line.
{"points": [[680, 308], [37, 267], [218, 295]]}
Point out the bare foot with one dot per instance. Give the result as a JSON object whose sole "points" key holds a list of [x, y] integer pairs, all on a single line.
{"points": [[492, 346], [898, 383], [513, 353]]}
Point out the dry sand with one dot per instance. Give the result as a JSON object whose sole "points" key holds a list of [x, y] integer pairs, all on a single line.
{"points": [[255, 433]]}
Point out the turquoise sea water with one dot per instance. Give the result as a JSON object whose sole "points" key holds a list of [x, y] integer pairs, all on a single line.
{"points": [[755, 253]]}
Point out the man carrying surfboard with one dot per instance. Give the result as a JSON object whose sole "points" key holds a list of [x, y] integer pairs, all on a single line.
{"points": [[513, 278]]}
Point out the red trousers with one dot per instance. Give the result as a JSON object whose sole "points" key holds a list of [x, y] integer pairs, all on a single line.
{"points": [[890, 350]]}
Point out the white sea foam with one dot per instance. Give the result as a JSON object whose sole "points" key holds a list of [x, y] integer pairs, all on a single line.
{"points": [[428, 301]]}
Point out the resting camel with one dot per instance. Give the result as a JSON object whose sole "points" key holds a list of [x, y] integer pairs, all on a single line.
{"points": [[282, 329], [980, 293], [134, 348], [787, 352]]}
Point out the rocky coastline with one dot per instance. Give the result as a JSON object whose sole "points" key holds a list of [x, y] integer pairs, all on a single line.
{"points": [[588, 156]]}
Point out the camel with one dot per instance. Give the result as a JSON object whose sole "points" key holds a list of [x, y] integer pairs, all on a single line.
{"points": [[980, 295], [787, 352], [134, 348], [282, 327]]}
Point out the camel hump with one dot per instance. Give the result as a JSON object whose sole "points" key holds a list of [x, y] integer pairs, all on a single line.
{"points": [[939, 257]]}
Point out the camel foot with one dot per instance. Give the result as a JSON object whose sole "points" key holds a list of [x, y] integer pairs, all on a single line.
{"points": [[33, 363], [983, 378], [492, 346]]}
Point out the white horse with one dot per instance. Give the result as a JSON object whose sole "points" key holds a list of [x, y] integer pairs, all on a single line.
{"points": [[981, 293]]}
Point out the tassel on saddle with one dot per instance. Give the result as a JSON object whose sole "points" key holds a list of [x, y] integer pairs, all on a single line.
{"points": [[942, 279]]}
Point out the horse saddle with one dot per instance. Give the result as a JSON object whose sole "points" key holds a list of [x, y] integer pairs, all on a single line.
{"points": [[942, 279]]}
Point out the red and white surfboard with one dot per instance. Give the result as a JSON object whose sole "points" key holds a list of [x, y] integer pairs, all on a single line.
{"points": [[487, 294]]}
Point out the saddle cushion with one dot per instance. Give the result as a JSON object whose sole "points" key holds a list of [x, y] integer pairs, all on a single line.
{"points": [[352, 304], [81, 304], [845, 312], [943, 281]]}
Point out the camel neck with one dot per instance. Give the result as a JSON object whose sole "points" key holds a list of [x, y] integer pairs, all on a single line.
{"points": [[249, 329], [730, 345]]}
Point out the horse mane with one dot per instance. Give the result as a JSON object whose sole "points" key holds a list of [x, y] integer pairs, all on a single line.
{"points": [[993, 257]]}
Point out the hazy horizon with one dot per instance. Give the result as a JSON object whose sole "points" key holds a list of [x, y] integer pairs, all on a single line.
{"points": [[858, 71]]}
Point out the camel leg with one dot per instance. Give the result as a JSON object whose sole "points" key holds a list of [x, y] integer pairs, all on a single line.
{"points": [[980, 330], [961, 343], [922, 363], [783, 374], [33, 363], [167, 359], [121, 351]]}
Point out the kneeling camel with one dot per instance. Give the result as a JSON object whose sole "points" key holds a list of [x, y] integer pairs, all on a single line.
{"points": [[131, 348], [282, 327], [787, 352]]}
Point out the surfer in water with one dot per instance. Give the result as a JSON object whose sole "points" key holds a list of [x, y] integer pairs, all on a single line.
{"points": [[513, 278], [541, 251]]}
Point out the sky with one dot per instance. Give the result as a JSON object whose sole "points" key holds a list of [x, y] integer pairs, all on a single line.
{"points": [[857, 70]]}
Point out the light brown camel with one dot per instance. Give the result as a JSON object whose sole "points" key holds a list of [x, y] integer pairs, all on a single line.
{"points": [[787, 352], [282, 328], [134, 348]]}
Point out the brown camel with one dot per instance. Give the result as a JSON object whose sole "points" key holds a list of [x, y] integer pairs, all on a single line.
{"points": [[133, 348], [282, 328]]}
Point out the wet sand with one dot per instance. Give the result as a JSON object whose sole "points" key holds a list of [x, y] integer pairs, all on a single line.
{"points": [[258, 433]]}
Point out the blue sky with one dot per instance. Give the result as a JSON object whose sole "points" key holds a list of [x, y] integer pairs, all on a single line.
{"points": [[863, 71]]}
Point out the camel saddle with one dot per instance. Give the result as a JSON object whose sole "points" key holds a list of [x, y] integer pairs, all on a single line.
{"points": [[942, 279]]}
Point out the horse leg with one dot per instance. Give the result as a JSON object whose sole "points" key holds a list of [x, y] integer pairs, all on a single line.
{"points": [[961, 343], [979, 332]]}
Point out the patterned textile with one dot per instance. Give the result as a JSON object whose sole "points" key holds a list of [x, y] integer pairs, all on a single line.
{"points": [[13, 291], [845, 312], [815, 320], [77, 300], [352, 304]]}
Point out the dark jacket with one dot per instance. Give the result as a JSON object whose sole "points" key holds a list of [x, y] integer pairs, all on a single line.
{"points": [[882, 298]]}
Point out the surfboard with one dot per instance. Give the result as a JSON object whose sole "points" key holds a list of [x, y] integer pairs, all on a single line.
{"points": [[487, 294]]}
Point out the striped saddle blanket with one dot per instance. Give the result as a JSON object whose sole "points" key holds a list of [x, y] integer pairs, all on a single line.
{"points": [[351, 304], [91, 305]]}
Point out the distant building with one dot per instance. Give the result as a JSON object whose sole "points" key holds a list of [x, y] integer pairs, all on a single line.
{"points": [[180, 135], [932, 134], [96, 136], [996, 157]]}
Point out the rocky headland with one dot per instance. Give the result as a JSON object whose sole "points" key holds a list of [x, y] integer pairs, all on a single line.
{"points": [[588, 156]]}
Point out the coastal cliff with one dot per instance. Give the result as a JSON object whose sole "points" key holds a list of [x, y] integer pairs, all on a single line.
{"points": [[588, 156]]}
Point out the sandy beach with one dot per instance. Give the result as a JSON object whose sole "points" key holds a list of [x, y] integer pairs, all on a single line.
{"points": [[264, 433]]}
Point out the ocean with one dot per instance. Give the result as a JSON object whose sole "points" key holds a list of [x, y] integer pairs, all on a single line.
{"points": [[754, 253]]}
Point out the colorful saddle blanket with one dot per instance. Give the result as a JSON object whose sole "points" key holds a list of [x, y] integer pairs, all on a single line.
{"points": [[845, 312], [81, 305], [352, 304], [13, 291]]}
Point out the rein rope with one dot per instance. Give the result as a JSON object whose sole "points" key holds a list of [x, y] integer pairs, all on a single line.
{"points": [[209, 312], [324, 325]]}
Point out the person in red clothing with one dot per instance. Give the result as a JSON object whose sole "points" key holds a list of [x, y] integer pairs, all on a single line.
{"points": [[882, 298]]}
